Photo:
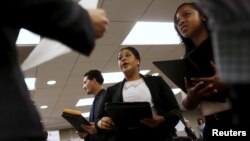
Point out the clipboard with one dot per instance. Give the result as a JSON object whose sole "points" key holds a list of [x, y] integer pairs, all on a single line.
{"points": [[174, 70], [75, 118], [128, 114]]}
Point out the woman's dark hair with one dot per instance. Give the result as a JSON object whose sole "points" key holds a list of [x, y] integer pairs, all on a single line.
{"points": [[134, 51], [95, 74], [188, 43]]}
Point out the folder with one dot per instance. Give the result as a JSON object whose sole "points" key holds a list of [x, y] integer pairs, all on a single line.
{"points": [[198, 62], [128, 114], [75, 118], [174, 70]]}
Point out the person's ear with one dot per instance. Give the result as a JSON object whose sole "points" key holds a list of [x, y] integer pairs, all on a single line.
{"points": [[138, 63], [93, 81]]}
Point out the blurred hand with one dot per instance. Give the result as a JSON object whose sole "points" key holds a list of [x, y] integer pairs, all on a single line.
{"points": [[82, 135], [105, 123], [201, 88], [211, 84], [153, 122], [90, 128], [99, 21]]}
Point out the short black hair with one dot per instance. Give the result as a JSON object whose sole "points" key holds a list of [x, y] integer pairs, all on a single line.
{"points": [[95, 74], [134, 51]]}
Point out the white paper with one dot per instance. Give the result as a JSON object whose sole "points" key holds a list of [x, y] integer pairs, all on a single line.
{"points": [[89, 3], [53, 135], [46, 50], [49, 49]]}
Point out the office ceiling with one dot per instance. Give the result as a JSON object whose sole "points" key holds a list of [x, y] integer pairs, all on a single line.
{"points": [[68, 69]]}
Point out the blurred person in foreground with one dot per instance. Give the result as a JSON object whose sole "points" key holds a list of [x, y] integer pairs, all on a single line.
{"points": [[62, 20], [230, 30]]}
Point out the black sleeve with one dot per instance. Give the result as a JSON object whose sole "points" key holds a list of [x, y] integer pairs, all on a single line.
{"points": [[107, 98], [169, 107], [62, 20]]}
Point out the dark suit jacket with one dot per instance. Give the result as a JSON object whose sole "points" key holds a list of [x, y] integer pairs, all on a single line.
{"points": [[162, 97], [94, 113], [62, 20]]}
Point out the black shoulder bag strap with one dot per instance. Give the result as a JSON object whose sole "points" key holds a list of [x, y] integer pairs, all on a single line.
{"points": [[189, 132]]}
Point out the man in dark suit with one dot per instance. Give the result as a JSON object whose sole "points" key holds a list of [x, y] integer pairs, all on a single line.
{"points": [[62, 20], [93, 85]]}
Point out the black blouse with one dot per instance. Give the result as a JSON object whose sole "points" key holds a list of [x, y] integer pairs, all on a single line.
{"points": [[198, 64]]}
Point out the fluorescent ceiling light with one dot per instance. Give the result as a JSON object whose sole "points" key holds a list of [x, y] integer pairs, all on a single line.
{"points": [[89, 3], [152, 33], [176, 90], [26, 37], [155, 74], [51, 82], [44, 107], [85, 102], [85, 114], [113, 77], [30, 82]]}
